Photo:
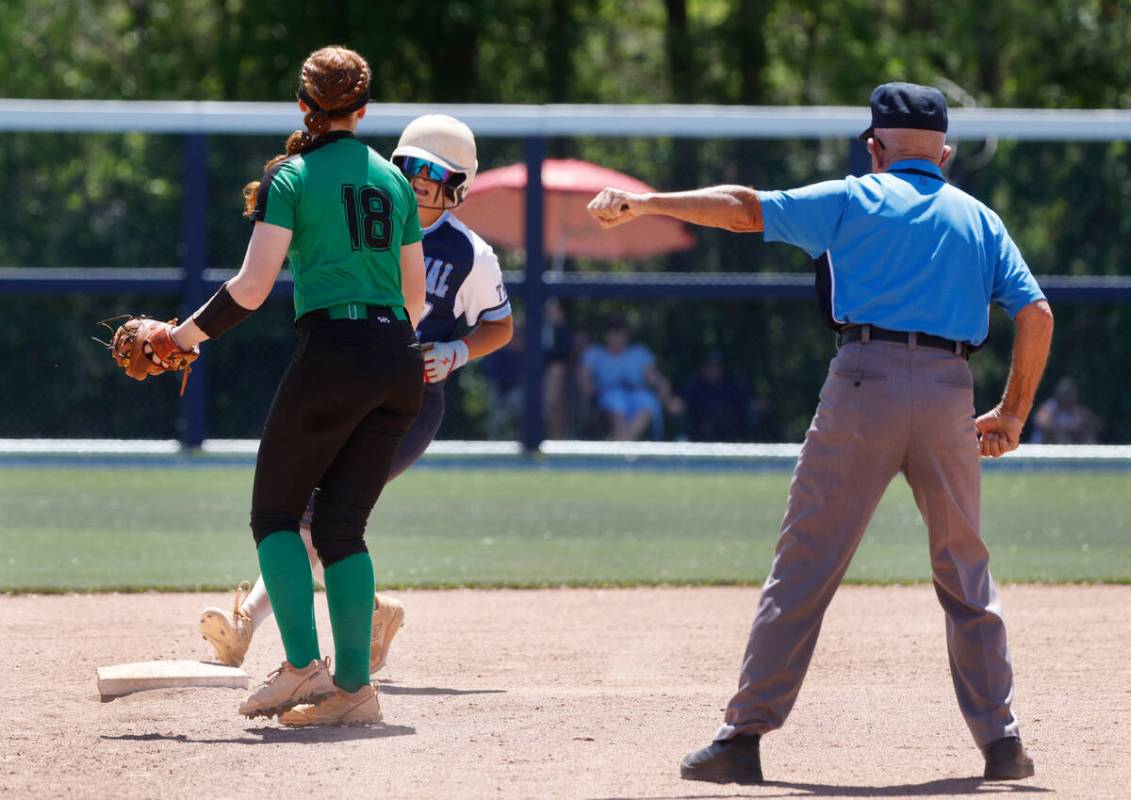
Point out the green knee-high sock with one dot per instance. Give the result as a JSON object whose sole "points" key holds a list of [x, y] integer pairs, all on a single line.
{"points": [[349, 593], [286, 574]]}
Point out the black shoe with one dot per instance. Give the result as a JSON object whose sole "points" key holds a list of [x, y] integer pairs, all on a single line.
{"points": [[1006, 760], [728, 761]]}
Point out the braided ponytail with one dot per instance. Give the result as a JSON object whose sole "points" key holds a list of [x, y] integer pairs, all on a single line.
{"points": [[334, 83]]}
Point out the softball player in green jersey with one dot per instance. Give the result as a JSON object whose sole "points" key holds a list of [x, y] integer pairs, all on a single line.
{"points": [[346, 220], [464, 287]]}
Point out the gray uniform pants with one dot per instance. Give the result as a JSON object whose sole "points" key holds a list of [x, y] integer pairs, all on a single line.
{"points": [[885, 408]]}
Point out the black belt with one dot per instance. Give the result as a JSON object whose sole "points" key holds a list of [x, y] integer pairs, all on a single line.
{"points": [[863, 333], [356, 311]]}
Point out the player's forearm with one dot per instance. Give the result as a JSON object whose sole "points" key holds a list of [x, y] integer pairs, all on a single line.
{"points": [[412, 281], [489, 336], [735, 208], [1030, 354], [220, 314], [231, 305], [414, 307], [187, 335]]}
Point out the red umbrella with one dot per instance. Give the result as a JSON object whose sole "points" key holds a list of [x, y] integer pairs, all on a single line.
{"points": [[495, 210]]}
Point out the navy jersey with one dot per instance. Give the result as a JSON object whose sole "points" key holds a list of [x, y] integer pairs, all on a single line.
{"points": [[463, 280]]}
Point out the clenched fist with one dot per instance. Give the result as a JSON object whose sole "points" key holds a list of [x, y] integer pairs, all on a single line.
{"points": [[614, 207], [1000, 432]]}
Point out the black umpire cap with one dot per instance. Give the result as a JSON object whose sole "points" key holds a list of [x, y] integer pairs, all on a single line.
{"points": [[906, 105]]}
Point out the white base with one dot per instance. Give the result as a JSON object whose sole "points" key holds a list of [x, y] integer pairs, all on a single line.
{"points": [[120, 679]]}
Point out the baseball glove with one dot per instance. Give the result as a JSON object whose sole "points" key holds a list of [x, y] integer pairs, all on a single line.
{"points": [[142, 347]]}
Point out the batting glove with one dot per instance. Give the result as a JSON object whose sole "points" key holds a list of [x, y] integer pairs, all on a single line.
{"points": [[441, 359]]}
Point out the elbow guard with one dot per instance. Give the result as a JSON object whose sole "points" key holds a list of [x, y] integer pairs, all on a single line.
{"points": [[220, 314]]}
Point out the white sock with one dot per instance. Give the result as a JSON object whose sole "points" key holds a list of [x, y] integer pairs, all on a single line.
{"points": [[257, 605]]}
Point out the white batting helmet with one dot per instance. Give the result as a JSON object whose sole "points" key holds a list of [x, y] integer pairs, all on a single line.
{"points": [[445, 141]]}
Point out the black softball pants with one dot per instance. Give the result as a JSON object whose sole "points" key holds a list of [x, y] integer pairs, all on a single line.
{"points": [[352, 390]]}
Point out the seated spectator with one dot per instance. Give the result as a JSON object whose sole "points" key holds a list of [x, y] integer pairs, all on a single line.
{"points": [[716, 404], [504, 372], [1063, 420], [623, 379]]}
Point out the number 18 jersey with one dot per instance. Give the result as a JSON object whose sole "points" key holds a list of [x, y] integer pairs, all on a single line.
{"points": [[350, 211]]}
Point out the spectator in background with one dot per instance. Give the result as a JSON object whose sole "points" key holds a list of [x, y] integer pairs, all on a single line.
{"points": [[1063, 420], [557, 343], [503, 370], [717, 405], [623, 379]]}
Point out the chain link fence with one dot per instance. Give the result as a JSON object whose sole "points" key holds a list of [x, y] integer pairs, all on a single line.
{"points": [[724, 370]]}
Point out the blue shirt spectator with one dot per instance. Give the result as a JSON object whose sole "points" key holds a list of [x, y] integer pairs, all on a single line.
{"points": [[627, 385], [624, 370]]}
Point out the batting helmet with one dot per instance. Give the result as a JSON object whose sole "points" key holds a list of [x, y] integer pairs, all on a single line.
{"points": [[445, 141]]}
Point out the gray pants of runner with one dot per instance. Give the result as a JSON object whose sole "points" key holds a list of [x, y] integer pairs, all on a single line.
{"points": [[885, 408]]}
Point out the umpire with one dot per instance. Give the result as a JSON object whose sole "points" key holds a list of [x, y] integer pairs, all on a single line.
{"points": [[907, 266]]}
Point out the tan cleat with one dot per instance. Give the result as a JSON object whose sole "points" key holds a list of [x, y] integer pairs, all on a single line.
{"points": [[388, 618], [341, 708], [286, 687], [229, 637]]}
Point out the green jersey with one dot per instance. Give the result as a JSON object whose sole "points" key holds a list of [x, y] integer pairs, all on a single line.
{"points": [[351, 211]]}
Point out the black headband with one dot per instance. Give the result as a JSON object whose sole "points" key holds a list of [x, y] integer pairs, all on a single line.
{"points": [[361, 101]]}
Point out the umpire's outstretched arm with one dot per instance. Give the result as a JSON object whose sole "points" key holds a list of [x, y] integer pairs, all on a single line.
{"points": [[735, 208]]}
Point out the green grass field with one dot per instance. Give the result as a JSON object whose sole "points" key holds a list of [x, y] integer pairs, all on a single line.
{"points": [[133, 528]]}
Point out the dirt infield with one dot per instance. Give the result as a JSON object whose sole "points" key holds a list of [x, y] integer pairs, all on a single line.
{"points": [[568, 693]]}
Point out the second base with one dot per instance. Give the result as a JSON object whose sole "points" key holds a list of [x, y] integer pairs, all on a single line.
{"points": [[120, 679]]}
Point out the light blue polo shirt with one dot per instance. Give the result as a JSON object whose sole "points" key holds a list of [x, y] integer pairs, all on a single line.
{"points": [[906, 251]]}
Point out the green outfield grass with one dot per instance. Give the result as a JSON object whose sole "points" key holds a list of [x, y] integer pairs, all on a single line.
{"points": [[132, 528]]}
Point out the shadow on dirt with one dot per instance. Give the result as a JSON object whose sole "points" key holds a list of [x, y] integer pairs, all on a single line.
{"points": [[391, 688], [277, 735], [954, 787]]}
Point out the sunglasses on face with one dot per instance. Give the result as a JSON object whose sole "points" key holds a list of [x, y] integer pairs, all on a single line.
{"points": [[414, 167]]}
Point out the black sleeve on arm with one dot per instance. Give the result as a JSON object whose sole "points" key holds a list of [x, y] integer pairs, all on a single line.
{"points": [[220, 314]]}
